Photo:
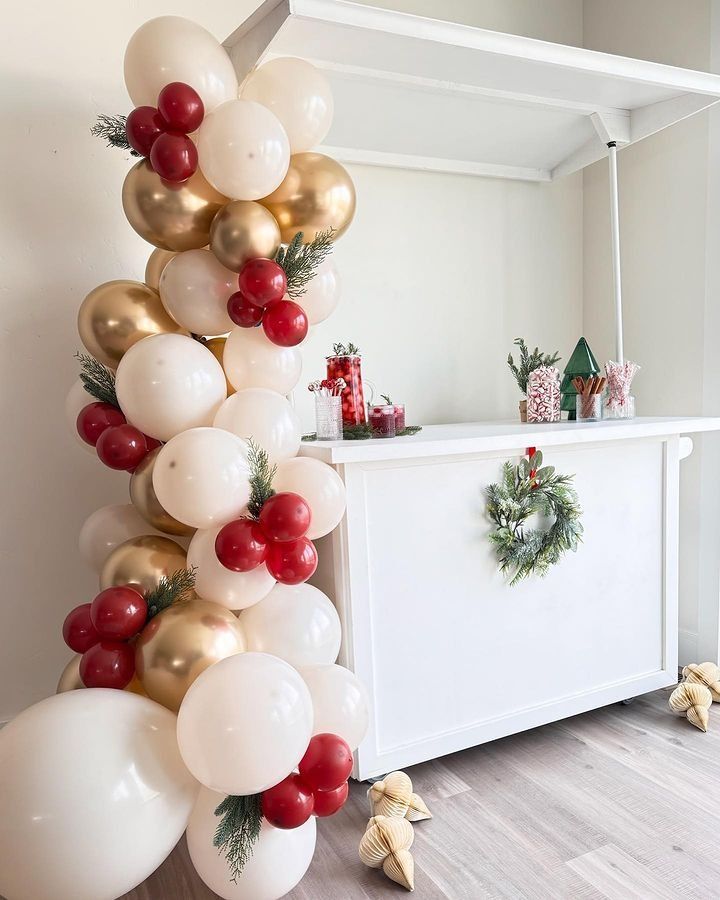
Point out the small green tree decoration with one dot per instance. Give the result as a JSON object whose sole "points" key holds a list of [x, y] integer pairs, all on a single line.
{"points": [[583, 363]]}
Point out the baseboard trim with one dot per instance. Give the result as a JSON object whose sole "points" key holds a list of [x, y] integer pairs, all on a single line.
{"points": [[687, 647]]}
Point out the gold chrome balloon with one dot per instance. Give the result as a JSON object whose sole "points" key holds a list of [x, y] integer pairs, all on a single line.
{"points": [[135, 687], [180, 643], [170, 216], [243, 230], [145, 499], [117, 315], [70, 679], [217, 347], [156, 263], [317, 194], [142, 561]]}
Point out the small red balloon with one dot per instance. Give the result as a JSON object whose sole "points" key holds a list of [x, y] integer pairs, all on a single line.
{"points": [[241, 545], [142, 128], [288, 804], [174, 157], [118, 613], [292, 562], [242, 311], [181, 107], [121, 447], [109, 664], [285, 323], [151, 443], [327, 762], [285, 517], [78, 630], [262, 281], [327, 803], [95, 418]]}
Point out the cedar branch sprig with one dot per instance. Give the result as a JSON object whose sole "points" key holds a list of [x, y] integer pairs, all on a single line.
{"points": [[261, 478], [348, 349], [528, 362], [238, 830], [112, 130], [97, 379], [300, 261], [171, 589]]}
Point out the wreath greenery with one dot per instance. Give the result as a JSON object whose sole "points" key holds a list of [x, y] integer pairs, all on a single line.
{"points": [[526, 489]]}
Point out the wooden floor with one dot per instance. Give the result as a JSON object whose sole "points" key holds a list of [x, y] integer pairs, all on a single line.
{"points": [[621, 803]]}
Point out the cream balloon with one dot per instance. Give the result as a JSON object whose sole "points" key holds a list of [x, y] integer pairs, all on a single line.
{"points": [[340, 702], [250, 360], [243, 149], [280, 856], [322, 294], [107, 528], [194, 289], [201, 477], [299, 94], [171, 48], [298, 623], [94, 796], [265, 417], [321, 487], [167, 383], [245, 723], [77, 398], [234, 590]]}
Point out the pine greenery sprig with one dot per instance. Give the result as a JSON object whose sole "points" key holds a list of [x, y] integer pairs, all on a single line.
{"points": [[112, 130], [529, 362], [300, 261], [171, 589], [348, 349], [97, 379], [238, 830], [261, 478]]}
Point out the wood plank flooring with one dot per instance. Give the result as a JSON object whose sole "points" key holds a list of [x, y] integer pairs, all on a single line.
{"points": [[622, 803]]}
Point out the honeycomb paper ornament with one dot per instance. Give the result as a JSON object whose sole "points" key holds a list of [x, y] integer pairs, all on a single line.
{"points": [[386, 845], [393, 796], [694, 700], [706, 673]]}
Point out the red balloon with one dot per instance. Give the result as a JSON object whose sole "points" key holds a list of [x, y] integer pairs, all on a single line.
{"points": [[327, 762], [121, 447], [118, 613], [292, 562], [174, 157], [285, 517], [243, 312], [288, 804], [109, 664], [327, 803], [241, 545], [180, 107], [95, 418], [78, 630], [262, 281], [142, 128], [151, 443], [285, 323]]}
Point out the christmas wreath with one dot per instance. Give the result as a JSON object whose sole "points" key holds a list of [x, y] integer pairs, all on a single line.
{"points": [[526, 489]]}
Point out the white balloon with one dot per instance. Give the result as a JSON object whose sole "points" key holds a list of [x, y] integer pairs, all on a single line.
{"points": [[233, 590], [243, 150], [320, 485], [194, 289], [77, 398], [94, 796], [322, 294], [202, 478], [108, 527], [340, 702], [245, 723], [171, 48], [264, 416], [280, 856], [167, 383], [298, 623], [250, 360], [299, 94]]}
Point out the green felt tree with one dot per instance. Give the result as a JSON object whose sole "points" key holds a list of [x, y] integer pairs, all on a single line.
{"points": [[583, 363]]}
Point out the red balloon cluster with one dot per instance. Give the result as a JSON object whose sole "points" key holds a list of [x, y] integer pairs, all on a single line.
{"points": [[101, 630], [261, 300], [161, 133], [277, 538], [118, 445], [321, 787]]}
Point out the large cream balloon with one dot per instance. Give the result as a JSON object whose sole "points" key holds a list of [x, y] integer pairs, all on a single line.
{"points": [[243, 150], [299, 95], [94, 796], [77, 398], [280, 856], [322, 294], [201, 477], [298, 623], [168, 383], [234, 590], [194, 289], [340, 702], [245, 723], [320, 485], [265, 417], [171, 48], [250, 360], [107, 528]]}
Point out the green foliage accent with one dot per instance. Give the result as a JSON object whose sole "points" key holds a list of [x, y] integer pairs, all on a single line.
{"points": [[171, 589], [97, 379], [348, 349], [582, 362], [408, 430], [523, 552], [528, 362], [364, 432], [238, 830], [112, 130], [261, 478], [387, 399], [300, 261]]}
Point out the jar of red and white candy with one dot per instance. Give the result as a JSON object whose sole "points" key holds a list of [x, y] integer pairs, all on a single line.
{"points": [[348, 367], [543, 395]]}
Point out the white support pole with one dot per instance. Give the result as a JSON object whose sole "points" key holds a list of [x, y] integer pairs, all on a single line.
{"points": [[615, 234]]}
